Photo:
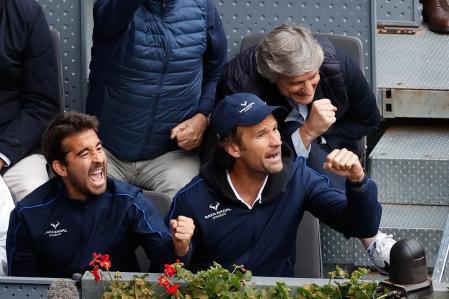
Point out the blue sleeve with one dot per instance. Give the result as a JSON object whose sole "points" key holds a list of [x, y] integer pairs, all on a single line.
{"points": [[22, 260], [355, 214], [176, 209], [153, 234], [179, 208], [113, 16], [214, 59], [362, 117]]}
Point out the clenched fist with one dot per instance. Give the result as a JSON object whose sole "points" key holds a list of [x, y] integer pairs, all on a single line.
{"points": [[189, 133], [345, 163], [320, 118], [182, 231]]}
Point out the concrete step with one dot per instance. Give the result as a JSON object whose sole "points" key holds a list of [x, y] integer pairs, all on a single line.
{"points": [[399, 13], [410, 164], [424, 223], [413, 74]]}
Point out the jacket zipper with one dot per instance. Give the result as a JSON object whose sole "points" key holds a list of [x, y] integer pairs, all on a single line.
{"points": [[161, 79]]}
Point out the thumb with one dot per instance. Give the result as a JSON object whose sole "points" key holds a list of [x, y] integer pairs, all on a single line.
{"points": [[327, 165], [173, 224], [175, 131]]}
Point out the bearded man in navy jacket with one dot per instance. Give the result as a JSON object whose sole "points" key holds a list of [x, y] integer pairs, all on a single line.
{"points": [[54, 231], [248, 201]]}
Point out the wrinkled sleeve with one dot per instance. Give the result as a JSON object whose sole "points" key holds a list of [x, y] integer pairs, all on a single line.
{"points": [[214, 58], [153, 234], [113, 16], [355, 214], [362, 117], [179, 208], [38, 93], [22, 260], [298, 145]]}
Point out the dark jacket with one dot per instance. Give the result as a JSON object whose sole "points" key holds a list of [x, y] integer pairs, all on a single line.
{"points": [[28, 78], [263, 238], [341, 81], [50, 235], [154, 64]]}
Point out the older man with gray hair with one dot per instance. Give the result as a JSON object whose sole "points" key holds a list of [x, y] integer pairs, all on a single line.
{"points": [[329, 102]]}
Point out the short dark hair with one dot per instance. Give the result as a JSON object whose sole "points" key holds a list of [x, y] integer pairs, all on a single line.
{"points": [[221, 156], [63, 126]]}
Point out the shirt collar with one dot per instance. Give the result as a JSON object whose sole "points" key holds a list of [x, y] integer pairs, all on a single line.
{"points": [[298, 113], [259, 194]]}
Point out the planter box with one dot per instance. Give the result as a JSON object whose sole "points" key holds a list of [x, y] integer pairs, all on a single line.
{"points": [[92, 289]]}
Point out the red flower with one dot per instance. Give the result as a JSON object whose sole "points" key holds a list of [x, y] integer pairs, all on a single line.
{"points": [[105, 262], [163, 281], [95, 259], [96, 273], [100, 260], [169, 270], [173, 289]]}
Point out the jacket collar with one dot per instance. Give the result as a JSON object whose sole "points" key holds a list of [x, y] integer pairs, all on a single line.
{"points": [[160, 7], [90, 199]]}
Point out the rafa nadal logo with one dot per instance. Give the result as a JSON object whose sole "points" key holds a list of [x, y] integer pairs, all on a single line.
{"points": [[214, 207], [55, 232], [55, 225], [246, 106], [218, 213]]}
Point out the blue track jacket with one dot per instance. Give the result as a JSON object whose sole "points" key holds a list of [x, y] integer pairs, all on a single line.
{"points": [[51, 235], [263, 238]]}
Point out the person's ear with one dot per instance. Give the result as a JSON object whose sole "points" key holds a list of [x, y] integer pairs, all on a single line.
{"points": [[233, 149], [59, 168]]}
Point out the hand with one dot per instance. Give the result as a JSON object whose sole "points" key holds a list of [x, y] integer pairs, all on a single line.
{"points": [[189, 133], [345, 163], [182, 231], [321, 117], [2, 163]]}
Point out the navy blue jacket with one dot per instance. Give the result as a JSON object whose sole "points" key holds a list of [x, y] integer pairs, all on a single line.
{"points": [[341, 81], [28, 78], [263, 238], [50, 235], [154, 64]]}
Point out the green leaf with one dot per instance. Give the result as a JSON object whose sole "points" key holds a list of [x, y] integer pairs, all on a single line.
{"points": [[199, 294]]}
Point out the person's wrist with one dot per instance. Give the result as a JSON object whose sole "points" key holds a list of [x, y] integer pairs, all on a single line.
{"points": [[306, 136], [357, 182], [204, 115], [2, 163], [181, 251]]}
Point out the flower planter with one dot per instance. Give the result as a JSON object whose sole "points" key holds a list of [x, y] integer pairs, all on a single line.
{"points": [[92, 289]]}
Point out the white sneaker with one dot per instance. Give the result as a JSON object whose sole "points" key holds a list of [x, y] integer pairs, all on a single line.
{"points": [[379, 252]]}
